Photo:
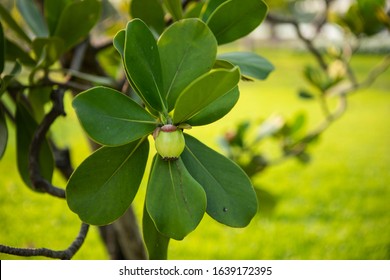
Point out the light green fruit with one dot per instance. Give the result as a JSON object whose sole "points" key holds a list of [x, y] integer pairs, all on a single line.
{"points": [[169, 142]]}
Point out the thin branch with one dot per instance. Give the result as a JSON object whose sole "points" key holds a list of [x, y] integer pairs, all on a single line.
{"points": [[308, 42], [37, 179], [63, 255]]}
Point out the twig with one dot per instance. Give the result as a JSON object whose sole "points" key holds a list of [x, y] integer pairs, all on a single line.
{"points": [[39, 137], [63, 255]]}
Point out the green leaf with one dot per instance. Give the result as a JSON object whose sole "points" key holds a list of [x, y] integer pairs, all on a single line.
{"points": [[156, 243], [216, 110], [14, 52], [52, 11], [150, 11], [3, 132], [203, 91], [111, 118], [175, 201], [143, 66], [211, 6], [174, 8], [25, 129], [2, 49], [193, 10], [6, 17], [231, 199], [102, 188], [76, 21], [251, 64], [187, 50], [244, 17], [48, 50], [33, 17]]}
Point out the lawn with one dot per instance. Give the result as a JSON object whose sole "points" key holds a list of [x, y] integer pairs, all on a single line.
{"points": [[336, 207]]}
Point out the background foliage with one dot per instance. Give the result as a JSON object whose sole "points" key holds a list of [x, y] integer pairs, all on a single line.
{"points": [[318, 207]]}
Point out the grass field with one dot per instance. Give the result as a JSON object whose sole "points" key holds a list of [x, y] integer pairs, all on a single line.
{"points": [[337, 207]]}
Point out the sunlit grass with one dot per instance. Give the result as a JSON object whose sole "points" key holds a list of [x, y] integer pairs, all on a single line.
{"points": [[337, 207]]}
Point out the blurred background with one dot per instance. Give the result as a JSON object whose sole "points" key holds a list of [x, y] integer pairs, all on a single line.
{"points": [[320, 165]]}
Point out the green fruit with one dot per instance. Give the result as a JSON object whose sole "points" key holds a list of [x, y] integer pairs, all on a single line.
{"points": [[169, 142]]}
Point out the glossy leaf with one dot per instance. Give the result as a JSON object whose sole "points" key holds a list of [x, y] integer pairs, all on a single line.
{"points": [[103, 186], [244, 17], [251, 64], [156, 243], [2, 49], [151, 12], [6, 17], [33, 17], [174, 8], [52, 11], [25, 129], [203, 91], [111, 118], [175, 201], [231, 199], [3, 132], [187, 50], [76, 21], [143, 66], [217, 109]]}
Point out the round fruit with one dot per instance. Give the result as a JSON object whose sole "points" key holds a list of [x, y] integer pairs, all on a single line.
{"points": [[169, 142]]}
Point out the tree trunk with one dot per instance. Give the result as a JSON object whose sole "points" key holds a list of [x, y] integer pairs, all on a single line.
{"points": [[123, 239]]}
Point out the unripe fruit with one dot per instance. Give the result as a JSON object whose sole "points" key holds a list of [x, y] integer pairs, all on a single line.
{"points": [[169, 142]]}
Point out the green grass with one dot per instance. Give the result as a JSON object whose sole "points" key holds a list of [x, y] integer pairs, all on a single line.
{"points": [[337, 207]]}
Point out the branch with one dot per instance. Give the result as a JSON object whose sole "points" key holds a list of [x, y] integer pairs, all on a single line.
{"points": [[308, 42], [63, 255], [37, 180]]}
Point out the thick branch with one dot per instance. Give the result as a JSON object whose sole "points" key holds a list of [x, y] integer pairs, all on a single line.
{"points": [[63, 255], [37, 180]]}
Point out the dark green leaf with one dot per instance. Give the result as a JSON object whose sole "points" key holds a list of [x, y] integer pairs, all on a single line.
{"points": [[174, 8], [216, 110], [111, 118], [143, 66], [175, 201], [250, 64], [104, 185], [14, 52], [2, 49], [203, 91], [6, 17], [187, 50], [48, 50], [33, 17], [53, 10], [25, 129], [151, 12], [231, 199], [8, 77], [156, 243], [3, 132], [76, 21], [244, 17], [304, 94]]}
